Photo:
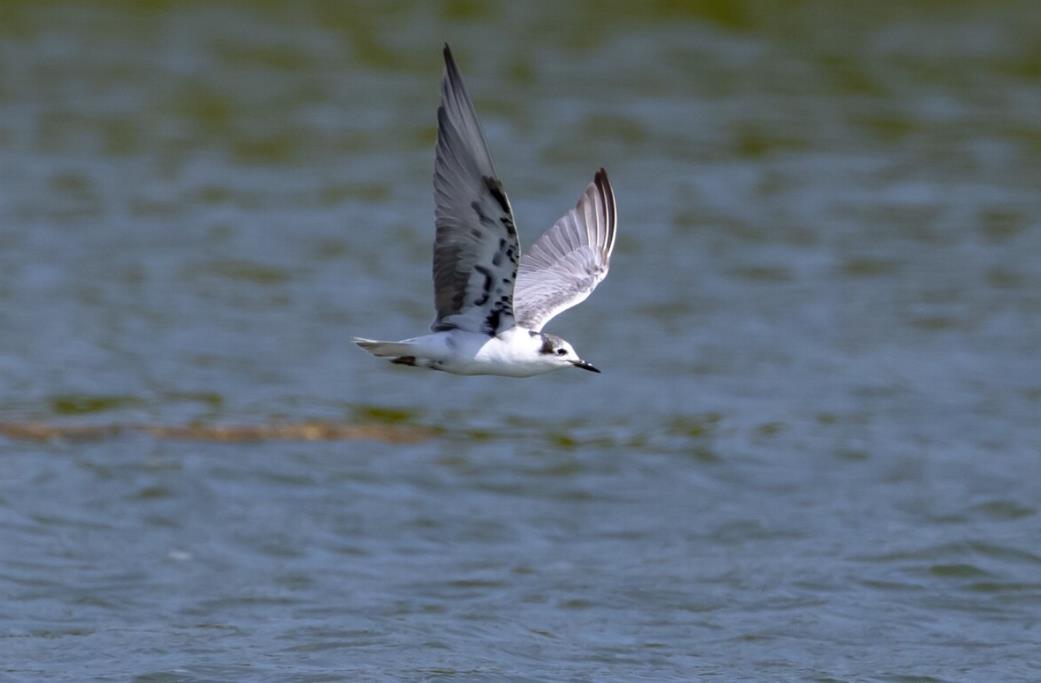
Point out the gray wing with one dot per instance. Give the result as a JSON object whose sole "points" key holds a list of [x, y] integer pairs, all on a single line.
{"points": [[475, 251], [566, 264]]}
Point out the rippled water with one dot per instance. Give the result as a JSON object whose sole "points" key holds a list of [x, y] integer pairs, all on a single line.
{"points": [[815, 450]]}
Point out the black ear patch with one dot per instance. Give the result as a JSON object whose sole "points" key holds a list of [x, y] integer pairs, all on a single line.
{"points": [[547, 345]]}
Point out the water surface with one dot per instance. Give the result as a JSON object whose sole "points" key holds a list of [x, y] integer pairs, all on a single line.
{"points": [[814, 450]]}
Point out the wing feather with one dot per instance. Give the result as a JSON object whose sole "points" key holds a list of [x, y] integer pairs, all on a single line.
{"points": [[570, 259], [475, 250]]}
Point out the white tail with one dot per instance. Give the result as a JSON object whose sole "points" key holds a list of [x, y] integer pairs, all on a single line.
{"points": [[384, 349]]}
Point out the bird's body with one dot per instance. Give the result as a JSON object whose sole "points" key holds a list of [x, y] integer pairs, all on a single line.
{"points": [[513, 353], [492, 302]]}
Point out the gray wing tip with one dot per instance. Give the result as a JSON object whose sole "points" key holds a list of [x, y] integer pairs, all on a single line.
{"points": [[453, 80], [603, 186], [446, 51], [603, 183], [459, 113]]}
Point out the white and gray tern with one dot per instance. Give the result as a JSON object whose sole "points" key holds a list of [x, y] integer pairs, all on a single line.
{"points": [[492, 302]]}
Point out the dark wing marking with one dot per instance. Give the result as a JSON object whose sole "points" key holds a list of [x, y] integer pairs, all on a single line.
{"points": [[475, 251], [566, 264]]}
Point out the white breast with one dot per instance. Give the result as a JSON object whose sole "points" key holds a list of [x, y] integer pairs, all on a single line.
{"points": [[514, 353]]}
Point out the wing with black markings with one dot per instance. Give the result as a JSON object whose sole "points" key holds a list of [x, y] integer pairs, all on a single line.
{"points": [[475, 251]]}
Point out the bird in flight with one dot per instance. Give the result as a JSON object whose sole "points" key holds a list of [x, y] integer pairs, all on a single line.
{"points": [[491, 301]]}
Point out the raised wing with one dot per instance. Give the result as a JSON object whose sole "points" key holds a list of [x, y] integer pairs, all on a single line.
{"points": [[475, 251], [566, 264]]}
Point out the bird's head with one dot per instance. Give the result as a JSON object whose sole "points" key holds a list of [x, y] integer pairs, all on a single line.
{"points": [[559, 352]]}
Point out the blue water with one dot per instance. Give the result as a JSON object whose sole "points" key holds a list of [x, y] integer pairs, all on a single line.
{"points": [[814, 451]]}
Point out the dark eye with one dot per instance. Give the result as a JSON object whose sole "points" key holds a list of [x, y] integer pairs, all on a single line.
{"points": [[561, 352]]}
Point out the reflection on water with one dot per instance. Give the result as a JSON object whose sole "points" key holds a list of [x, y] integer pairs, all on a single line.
{"points": [[812, 451]]}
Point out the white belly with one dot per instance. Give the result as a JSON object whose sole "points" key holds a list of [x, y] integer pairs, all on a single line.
{"points": [[470, 353]]}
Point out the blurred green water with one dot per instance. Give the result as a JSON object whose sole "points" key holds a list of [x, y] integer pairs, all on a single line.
{"points": [[811, 454]]}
